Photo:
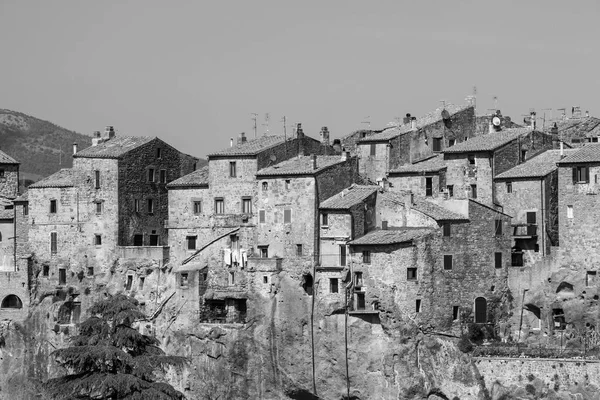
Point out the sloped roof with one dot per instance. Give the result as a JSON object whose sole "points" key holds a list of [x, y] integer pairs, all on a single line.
{"points": [[390, 236], [428, 208], [6, 159], [63, 178], [536, 167], [590, 153], [488, 142], [22, 198], [435, 163], [427, 119], [300, 166], [251, 147], [113, 148], [349, 197], [198, 178], [588, 126]]}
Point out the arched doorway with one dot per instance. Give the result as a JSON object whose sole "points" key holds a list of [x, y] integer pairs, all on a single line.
{"points": [[480, 310], [11, 301]]}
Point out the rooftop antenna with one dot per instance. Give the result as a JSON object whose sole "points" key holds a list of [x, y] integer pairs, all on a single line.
{"points": [[564, 112], [544, 117], [367, 121], [495, 102], [266, 123], [254, 116], [284, 134], [475, 97], [443, 103]]}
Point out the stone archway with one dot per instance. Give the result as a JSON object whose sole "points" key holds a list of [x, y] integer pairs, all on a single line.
{"points": [[480, 310], [11, 301]]}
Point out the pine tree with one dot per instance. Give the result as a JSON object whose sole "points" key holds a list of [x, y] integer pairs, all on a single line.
{"points": [[109, 359]]}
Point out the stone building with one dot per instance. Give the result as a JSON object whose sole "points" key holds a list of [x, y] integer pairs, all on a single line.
{"points": [[529, 193], [425, 178], [576, 130], [472, 165], [415, 140]]}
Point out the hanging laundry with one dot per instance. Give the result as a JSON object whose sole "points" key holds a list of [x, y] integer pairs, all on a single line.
{"points": [[235, 256], [227, 257], [244, 257]]}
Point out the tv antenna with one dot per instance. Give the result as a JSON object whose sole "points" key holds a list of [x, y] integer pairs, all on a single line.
{"points": [[254, 116], [367, 121], [495, 102], [266, 123], [544, 117]]}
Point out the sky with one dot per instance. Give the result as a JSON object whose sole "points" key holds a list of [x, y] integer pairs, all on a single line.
{"points": [[194, 72]]}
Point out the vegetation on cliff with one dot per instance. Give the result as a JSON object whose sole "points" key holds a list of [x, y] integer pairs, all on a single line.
{"points": [[110, 359]]}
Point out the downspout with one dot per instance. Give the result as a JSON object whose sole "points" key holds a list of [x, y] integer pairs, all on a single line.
{"points": [[493, 177], [316, 257], [542, 216], [15, 237]]}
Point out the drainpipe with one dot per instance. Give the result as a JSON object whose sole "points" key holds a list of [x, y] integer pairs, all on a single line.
{"points": [[542, 217], [15, 237], [316, 257]]}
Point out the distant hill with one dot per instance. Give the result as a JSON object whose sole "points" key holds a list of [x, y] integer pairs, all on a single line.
{"points": [[37, 144]]}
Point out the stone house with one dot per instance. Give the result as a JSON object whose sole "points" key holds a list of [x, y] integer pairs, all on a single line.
{"points": [[576, 130], [529, 193], [472, 165], [415, 140], [111, 204], [425, 178]]}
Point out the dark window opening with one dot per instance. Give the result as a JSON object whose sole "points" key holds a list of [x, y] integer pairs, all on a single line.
{"points": [[498, 260], [191, 242], [52, 206], [163, 176], [437, 144], [451, 142], [150, 174], [62, 276], [523, 155], [418, 305], [366, 256], [90, 271], [342, 255], [129, 282], [480, 310], [455, 310], [219, 206], [447, 261], [12, 301], [358, 279], [231, 278], [471, 158], [69, 313], [307, 284], [450, 190], [558, 315], [264, 251], [324, 219], [473, 191], [590, 278], [183, 279], [158, 153], [373, 150], [498, 227], [53, 242], [97, 176], [232, 169], [411, 274], [138, 240], [287, 184], [508, 187], [333, 285], [581, 175], [98, 207], [136, 205], [45, 270], [98, 240], [25, 209], [265, 186], [299, 251], [197, 207], [150, 206], [428, 187], [531, 217], [360, 301], [446, 227], [265, 279], [246, 205], [154, 240]]}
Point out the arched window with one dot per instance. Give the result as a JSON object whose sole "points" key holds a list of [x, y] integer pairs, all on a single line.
{"points": [[11, 301], [480, 310]]}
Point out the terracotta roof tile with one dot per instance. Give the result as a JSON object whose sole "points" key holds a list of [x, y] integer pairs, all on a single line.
{"points": [[6, 159], [391, 236], [300, 166], [536, 167], [349, 197], [432, 164], [488, 142], [590, 153], [198, 178], [580, 127], [114, 148], [63, 178], [251, 147]]}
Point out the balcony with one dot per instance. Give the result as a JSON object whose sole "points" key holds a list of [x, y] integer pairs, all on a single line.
{"points": [[524, 231], [157, 253]]}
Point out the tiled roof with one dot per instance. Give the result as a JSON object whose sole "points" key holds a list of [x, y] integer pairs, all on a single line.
{"points": [[6, 159], [427, 119], [198, 178], [588, 126], [114, 148], [488, 142], [349, 197], [590, 153], [63, 178], [251, 147], [390, 236], [300, 166], [428, 208], [432, 164], [23, 197], [536, 167]]}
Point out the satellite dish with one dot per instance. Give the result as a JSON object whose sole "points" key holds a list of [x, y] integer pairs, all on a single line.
{"points": [[496, 121], [273, 158], [445, 114]]}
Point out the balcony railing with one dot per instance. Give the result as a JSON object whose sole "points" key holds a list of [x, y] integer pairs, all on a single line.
{"points": [[525, 231]]}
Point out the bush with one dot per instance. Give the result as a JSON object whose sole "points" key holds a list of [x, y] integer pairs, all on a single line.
{"points": [[465, 345]]}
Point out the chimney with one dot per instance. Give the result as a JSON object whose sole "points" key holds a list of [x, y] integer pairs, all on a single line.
{"points": [[109, 132], [532, 119], [337, 145], [491, 125], [230, 142], [587, 114], [74, 148], [97, 138], [413, 123], [562, 150], [554, 129], [324, 135], [406, 120], [241, 138], [384, 225], [313, 158], [345, 155], [300, 137]]}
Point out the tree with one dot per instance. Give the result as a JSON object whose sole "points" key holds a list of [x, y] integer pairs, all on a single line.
{"points": [[110, 359]]}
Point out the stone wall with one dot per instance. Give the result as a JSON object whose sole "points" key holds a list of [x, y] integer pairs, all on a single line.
{"points": [[373, 166], [417, 183], [461, 175], [9, 180]]}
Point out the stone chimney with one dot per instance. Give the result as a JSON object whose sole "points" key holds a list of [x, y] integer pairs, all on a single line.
{"points": [[97, 138], [413, 123], [230, 142], [532, 119], [74, 148], [241, 138], [324, 135], [109, 132], [337, 145], [562, 150], [491, 125], [406, 120], [313, 159], [300, 137], [345, 155]]}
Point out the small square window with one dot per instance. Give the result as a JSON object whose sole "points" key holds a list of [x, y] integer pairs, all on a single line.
{"points": [[265, 186], [150, 206], [219, 206], [446, 227], [263, 251], [98, 207], [191, 242], [98, 240], [90, 271], [448, 261], [471, 158], [366, 256], [232, 169], [138, 240], [150, 174], [508, 187], [197, 207], [411, 274], [590, 278], [498, 260], [299, 250], [324, 219], [52, 206], [183, 279], [333, 285], [246, 205]]}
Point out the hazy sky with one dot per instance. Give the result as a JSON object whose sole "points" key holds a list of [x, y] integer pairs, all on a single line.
{"points": [[192, 72]]}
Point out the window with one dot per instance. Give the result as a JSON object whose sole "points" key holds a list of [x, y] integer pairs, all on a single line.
{"points": [[358, 279], [411, 274], [569, 211], [360, 301], [232, 169], [265, 186], [418, 305], [480, 310], [287, 216], [141, 284], [471, 158], [62, 276], [150, 206], [191, 242], [90, 271], [498, 227], [45, 270], [183, 279], [261, 216], [150, 174], [299, 252], [138, 240], [333, 285], [498, 260], [437, 144], [52, 206], [455, 310], [581, 175], [508, 187], [590, 278], [343, 255], [246, 205], [219, 206], [98, 207], [428, 187], [25, 209], [97, 173], [446, 228], [158, 153], [197, 206], [136, 205], [366, 255], [264, 251], [324, 220], [473, 191], [98, 240], [231, 278], [1, 173], [448, 261], [265, 279], [163, 176], [53, 242], [523, 155], [129, 282], [373, 150], [154, 240], [451, 142], [450, 190], [287, 184]]}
